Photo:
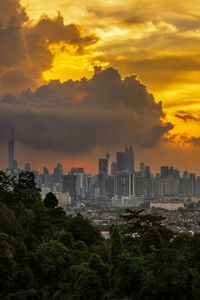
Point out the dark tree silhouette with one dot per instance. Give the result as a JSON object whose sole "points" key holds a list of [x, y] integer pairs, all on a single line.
{"points": [[50, 200]]}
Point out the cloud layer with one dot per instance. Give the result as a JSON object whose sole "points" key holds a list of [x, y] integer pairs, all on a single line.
{"points": [[25, 47], [78, 116]]}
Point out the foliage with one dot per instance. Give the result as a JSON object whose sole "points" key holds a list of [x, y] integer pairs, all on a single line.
{"points": [[45, 254], [50, 200]]}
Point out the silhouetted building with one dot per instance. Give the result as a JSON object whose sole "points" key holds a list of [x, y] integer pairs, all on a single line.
{"points": [[113, 168], [27, 167], [129, 159], [69, 185], [45, 171], [164, 171], [124, 184], [142, 169], [75, 171], [12, 163], [125, 160], [58, 172], [108, 162], [103, 166], [120, 161], [139, 184], [102, 175]]}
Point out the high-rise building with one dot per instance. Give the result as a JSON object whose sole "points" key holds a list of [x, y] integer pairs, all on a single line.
{"points": [[45, 171], [58, 172], [75, 171], [69, 186], [142, 169], [113, 168], [103, 166], [108, 161], [12, 163], [124, 184], [147, 172], [164, 171], [88, 185], [197, 192], [125, 160], [120, 161], [139, 184], [166, 187], [27, 167], [129, 159], [102, 175]]}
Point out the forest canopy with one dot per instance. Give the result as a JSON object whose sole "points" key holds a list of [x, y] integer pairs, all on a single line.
{"points": [[46, 254]]}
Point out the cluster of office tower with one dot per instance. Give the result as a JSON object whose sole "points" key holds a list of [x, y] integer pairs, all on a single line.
{"points": [[115, 179]]}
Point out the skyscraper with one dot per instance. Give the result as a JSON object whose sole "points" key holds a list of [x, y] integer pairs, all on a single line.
{"points": [[125, 160], [108, 161], [11, 152], [142, 168], [69, 186], [120, 161], [103, 166], [124, 184], [57, 173], [129, 159], [102, 175], [27, 167]]}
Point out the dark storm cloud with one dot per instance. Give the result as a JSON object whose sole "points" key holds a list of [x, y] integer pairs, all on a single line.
{"points": [[187, 116], [10, 9], [55, 31], [191, 140], [195, 141], [78, 116], [12, 50], [24, 50]]}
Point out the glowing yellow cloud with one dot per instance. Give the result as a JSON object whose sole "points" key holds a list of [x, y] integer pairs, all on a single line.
{"points": [[70, 65], [157, 40]]}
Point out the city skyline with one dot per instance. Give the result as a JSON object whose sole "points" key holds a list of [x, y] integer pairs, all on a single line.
{"points": [[106, 158], [124, 161], [117, 181]]}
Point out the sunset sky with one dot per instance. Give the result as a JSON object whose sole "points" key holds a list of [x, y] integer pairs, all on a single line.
{"points": [[142, 67]]}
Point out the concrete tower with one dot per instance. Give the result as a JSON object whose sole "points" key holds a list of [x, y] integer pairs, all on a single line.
{"points": [[11, 151]]}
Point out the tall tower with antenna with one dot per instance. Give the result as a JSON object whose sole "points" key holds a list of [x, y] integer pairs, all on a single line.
{"points": [[108, 161], [11, 151]]}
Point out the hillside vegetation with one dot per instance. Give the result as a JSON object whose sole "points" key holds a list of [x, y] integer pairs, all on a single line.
{"points": [[46, 254]]}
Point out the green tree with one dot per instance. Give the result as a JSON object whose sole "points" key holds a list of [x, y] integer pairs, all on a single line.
{"points": [[80, 252], [82, 230], [25, 189], [116, 244], [127, 279], [137, 223], [26, 217], [87, 283], [54, 261], [151, 240], [102, 248], [23, 295], [102, 270], [7, 265], [8, 221], [25, 278], [167, 276], [50, 200]]}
